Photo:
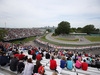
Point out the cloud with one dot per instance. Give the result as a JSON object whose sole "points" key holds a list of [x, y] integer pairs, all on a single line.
{"points": [[37, 13]]}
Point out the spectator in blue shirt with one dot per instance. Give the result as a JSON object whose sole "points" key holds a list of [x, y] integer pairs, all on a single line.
{"points": [[62, 63], [69, 64], [88, 61], [37, 53]]}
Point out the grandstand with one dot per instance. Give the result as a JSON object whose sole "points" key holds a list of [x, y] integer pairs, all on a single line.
{"points": [[45, 62], [18, 33]]}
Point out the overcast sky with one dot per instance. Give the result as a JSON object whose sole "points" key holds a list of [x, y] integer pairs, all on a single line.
{"points": [[39, 13]]}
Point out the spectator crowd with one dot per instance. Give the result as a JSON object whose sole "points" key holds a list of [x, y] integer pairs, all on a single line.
{"points": [[16, 33], [13, 55]]}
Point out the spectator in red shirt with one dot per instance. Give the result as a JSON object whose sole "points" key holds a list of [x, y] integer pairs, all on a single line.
{"points": [[16, 55], [21, 55], [61, 54], [38, 57], [32, 52], [53, 64], [84, 65], [86, 55]]}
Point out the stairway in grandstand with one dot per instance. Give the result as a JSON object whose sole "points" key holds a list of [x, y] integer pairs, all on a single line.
{"points": [[45, 62]]}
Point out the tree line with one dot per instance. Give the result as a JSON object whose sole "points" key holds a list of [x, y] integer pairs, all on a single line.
{"points": [[65, 28]]}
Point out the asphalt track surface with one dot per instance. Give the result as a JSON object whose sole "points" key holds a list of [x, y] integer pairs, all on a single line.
{"points": [[82, 41]]}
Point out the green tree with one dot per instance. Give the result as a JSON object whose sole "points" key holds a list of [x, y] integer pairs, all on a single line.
{"points": [[63, 28], [79, 29], [73, 30], [57, 32], [88, 29], [96, 31], [2, 33]]}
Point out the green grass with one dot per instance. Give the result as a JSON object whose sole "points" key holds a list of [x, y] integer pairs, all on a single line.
{"points": [[67, 45], [93, 39], [16, 42], [24, 40], [66, 39], [29, 39], [43, 38]]}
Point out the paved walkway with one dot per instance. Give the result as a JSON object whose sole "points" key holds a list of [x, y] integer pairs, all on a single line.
{"points": [[82, 40]]}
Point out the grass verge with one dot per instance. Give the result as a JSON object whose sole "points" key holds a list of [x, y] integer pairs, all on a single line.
{"points": [[66, 39], [24, 40], [93, 39], [67, 45]]}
